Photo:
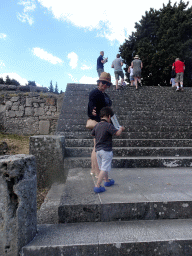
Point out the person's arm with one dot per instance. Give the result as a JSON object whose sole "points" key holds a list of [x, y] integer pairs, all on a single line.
{"points": [[141, 64], [121, 129], [128, 70], [132, 64]]}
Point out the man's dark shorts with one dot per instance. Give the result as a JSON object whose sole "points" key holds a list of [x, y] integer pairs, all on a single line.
{"points": [[119, 73]]}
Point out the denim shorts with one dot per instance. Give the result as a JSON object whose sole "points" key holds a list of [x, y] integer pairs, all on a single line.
{"points": [[104, 159]]}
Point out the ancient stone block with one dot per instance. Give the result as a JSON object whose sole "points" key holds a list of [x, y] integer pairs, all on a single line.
{"points": [[28, 102], [11, 113], [49, 153], [18, 216], [29, 111], [50, 101], [44, 127], [14, 99], [39, 112], [14, 108], [19, 113], [8, 105]]}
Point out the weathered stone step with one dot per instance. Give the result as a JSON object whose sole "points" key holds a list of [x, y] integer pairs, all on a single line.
{"points": [[135, 128], [138, 194], [132, 135], [160, 237], [118, 142], [168, 122], [133, 162], [132, 151]]}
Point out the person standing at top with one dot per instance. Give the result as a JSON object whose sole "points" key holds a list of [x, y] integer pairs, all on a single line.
{"points": [[100, 63], [117, 65], [137, 65], [97, 100], [179, 67]]}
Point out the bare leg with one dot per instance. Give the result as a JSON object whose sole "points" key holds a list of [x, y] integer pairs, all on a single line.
{"points": [[117, 87], [135, 80], [102, 175], [94, 165]]}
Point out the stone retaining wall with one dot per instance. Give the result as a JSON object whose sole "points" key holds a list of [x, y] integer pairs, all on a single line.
{"points": [[29, 113]]}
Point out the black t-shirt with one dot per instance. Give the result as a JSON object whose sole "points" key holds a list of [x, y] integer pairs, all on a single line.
{"points": [[99, 63], [103, 133], [99, 100]]}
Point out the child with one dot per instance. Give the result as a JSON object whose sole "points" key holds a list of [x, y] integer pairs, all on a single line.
{"points": [[103, 133]]}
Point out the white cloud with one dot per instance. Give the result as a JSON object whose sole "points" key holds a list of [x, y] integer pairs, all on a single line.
{"points": [[15, 76], [42, 54], [104, 16], [29, 6], [88, 80], [74, 80], [3, 36], [85, 67], [2, 64], [73, 59]]}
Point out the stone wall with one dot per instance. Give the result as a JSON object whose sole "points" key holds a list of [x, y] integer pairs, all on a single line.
{"points": [[29, 113]]}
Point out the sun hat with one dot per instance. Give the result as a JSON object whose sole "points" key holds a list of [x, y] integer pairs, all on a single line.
{"points": [[136, 57], [105, 77]]}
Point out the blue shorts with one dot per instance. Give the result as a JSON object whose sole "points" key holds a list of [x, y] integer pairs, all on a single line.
{"points": [[104, 159], [131, 78]]}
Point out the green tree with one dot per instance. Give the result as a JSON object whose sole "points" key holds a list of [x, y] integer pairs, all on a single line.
{"points": [[161, 36], [8, 80], [1, 80], [32, 83], [51, 87], [56, 88], [14, 82]]}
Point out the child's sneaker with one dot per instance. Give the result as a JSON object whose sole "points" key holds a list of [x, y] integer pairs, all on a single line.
{"points": [[99, 190], [110, 183]]}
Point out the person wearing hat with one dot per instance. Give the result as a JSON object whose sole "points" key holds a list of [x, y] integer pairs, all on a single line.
{"points": [[97, 100], [137, 65]]}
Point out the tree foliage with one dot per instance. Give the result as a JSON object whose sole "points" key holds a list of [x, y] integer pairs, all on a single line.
{"points": [[160, 37], [32, 83], [56, 88], [51, 87]]}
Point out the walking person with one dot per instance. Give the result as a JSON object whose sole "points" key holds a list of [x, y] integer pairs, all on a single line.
{"points": [[131, 78], [103, 133], [179, 68], [137, 65], [97, 100], [100, 63], [117, 65]]}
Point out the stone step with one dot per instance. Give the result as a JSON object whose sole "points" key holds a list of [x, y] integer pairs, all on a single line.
{"points": [[138, 194], [131, 135], [118, 142], [135, 128], [133, 162], [160, 237], [138, 122], [132, 151]]}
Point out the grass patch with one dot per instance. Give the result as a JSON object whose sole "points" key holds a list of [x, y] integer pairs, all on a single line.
{"points": [[17, 144]]}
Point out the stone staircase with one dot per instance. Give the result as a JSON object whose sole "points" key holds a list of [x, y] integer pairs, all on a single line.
{"points": [[149, 209]]}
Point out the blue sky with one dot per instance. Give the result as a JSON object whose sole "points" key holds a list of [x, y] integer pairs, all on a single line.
{"points": [[59, 40]]}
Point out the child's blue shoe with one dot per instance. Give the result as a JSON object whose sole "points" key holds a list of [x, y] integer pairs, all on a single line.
{"points": [[110, 183], [99, 190]]}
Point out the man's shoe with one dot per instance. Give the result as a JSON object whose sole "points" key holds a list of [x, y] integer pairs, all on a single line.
{"points": [[110, 183], [177, 90], [181, 89], [99, 190]]}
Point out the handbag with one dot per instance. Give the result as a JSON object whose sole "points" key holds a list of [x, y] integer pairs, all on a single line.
{"points": [[90, 124]]}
